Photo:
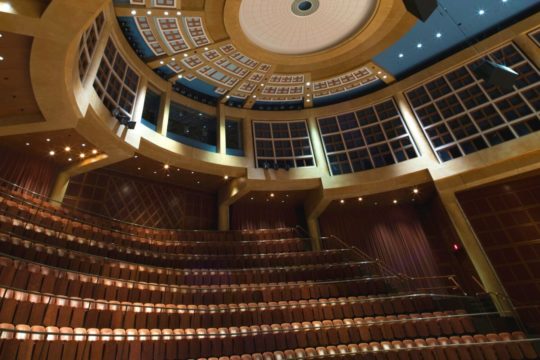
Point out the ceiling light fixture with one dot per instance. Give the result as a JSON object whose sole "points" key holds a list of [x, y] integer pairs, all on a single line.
{"points": [[166, 166], [82, 155], [67, 149], [52, 153], [94, 151]]}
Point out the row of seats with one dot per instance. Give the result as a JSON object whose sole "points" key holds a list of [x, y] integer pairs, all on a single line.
{"points": [[45, 279], [502, 346], [114, 269], [18, 307], [25, 227], [58, 218], [168, 255], [79, 313]]}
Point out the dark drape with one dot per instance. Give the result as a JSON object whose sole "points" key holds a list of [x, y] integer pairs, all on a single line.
{"points": [[248, 216], [393, 234], [27, 171]]}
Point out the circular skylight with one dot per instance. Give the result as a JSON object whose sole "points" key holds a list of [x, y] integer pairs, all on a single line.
{"points": [[303, 26]]}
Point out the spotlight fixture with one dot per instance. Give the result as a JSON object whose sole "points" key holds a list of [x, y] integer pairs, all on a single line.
{"points": [[123, 119], [496, 74], [422, 9]]}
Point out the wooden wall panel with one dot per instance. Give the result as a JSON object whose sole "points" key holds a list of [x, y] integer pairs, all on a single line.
{"points": [[506, 220], [143, 202], [35, 174]]}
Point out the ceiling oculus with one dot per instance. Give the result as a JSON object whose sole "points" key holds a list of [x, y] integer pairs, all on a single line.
{"points": [[296, 27]]}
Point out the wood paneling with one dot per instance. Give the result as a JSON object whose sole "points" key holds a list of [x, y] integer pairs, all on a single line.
{"points": [[506, 219], [143, 202]]}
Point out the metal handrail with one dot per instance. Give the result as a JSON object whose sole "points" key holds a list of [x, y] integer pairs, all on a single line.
{"points": [[44, 199], [70, 218], [125, 305], [452, 278], [282, 330]]}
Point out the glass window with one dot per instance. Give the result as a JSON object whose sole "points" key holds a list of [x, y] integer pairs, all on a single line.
{"points": [[152, 103], [192, 128]]}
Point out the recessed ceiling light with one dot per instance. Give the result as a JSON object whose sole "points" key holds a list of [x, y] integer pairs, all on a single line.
{"points": [[168, 175], [1, 35], [395, 201], [52, 153], [416, 191], [206, 49], [149, 12], [1, 58], [178, 13], [166, 166], [133, 12], [82, 155], [228, 96], [308, 100], [94, 151], [27, 144], [173, 59], [198, 182], [272, 195], [67, 149], [161, 62], [139, 168], [180, 76], [438, 35], [226, 177], [262, 84], [360, 199], [308, 83], [185, 55], [70, 159], [83, 145], [384, 77], [252, 198], [342, 201], [419, 45], [166, 13], [48, 140], [401, 55], [193, 172], [155, 172], [254, 96], [481, 12]]}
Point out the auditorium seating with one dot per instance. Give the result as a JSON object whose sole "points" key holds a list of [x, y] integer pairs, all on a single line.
{"points": [[76, 286]]}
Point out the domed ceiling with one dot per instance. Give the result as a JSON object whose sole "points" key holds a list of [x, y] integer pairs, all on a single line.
{"points": [[293, 54]]}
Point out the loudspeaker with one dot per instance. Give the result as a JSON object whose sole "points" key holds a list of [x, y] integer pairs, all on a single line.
{"points": [[496, 74], [131, 125], [422, 9]]}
